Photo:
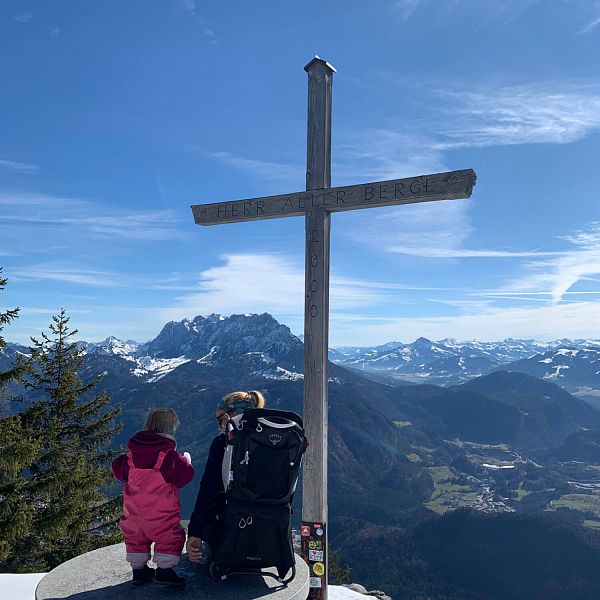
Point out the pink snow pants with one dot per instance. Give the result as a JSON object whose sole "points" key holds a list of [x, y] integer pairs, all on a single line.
{"points": [[151, 513]]}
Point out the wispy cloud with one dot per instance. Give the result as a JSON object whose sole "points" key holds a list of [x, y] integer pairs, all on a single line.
{"points": [[574, 320], [406, 8], [272, 283], [491, 11], [259, 168], [63, 272], [85, 217], [593, 24], [208, 31], [534, 113], [66, 275], [441, 252], [556, 276], [35, 310], [438, 230], [18, 166], [550, 112], [23, 17], [378, 154], [188, 6], [94, 321], [594, 21], [487, 11], [547, 112], [434, 230], [466, 306]]}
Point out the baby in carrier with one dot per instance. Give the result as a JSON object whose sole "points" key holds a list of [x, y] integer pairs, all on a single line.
{"points": [[153, 471]]}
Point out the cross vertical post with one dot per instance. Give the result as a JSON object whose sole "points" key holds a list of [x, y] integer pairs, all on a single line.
{"points": [[316, 323]]}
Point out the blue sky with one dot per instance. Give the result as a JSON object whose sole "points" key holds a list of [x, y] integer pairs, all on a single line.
{"points": [[117, 116]]}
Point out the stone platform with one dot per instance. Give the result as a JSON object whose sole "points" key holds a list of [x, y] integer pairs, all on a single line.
{"points": [[104, 575]]}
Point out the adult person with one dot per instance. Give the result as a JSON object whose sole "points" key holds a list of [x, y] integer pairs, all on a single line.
{"points": [[211, 495]]}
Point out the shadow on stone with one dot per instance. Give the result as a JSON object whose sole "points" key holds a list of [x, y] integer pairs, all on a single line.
{"points": [[104, 575]]}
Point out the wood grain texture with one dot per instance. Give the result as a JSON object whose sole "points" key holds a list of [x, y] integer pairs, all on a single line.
{"points": [[316, 305], [316, 338], [316, 308], [452, 185]]}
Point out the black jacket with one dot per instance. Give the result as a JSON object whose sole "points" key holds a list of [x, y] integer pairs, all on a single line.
{"points": [[211, 495]]}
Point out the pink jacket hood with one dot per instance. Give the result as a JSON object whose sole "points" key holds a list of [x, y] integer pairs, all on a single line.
{"points": [[145, 447]]}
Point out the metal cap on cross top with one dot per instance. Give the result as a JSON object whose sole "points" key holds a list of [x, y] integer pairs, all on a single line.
{"points": [[318, 60], [316, 204]]}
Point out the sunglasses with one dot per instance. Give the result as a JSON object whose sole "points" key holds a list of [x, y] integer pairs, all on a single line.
{"points": [[224, 415]]}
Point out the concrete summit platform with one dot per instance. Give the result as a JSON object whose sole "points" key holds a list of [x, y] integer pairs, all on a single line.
{"points": [[104, 575]]}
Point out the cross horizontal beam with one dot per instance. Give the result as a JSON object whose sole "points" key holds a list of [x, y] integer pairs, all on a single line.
{"points": [[452, 185]]}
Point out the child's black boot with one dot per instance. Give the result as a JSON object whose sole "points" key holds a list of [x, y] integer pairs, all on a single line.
{"points": [[143, 575], [168, 577]]}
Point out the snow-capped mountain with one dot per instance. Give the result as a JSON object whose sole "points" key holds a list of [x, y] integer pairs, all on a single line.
{"points": [[263, 345], [9, 354], [447, 361], [260, 341], [110, 346], [223, 336], [572, 365]]}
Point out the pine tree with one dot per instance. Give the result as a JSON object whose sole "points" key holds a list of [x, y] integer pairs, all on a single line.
{"points": [[73, 513], [338, 574], [18, 450], [17, 503], [6, 317]]}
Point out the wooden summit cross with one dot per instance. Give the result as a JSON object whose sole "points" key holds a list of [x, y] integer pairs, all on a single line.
{"points": [[316, 204]]}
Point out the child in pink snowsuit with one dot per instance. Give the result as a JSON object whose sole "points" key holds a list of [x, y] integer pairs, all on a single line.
{"points": [[153, 471]]}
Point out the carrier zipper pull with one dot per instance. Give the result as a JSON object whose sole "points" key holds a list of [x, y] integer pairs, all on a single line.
{"points": [[246, 460]]}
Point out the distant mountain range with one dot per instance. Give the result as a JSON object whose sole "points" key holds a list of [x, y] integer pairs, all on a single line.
{"points": [[479, 399], [259, 341], [573, 364]]}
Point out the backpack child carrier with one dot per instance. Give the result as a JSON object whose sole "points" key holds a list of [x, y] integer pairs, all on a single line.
{"points": [[261, 465]]}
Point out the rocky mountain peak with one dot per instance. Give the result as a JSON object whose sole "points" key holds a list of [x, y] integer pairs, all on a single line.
{"points": [[231, 336], [111, 345]]}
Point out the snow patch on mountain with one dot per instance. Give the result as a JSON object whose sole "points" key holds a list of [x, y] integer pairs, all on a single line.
{"points": [[207, 358], [157, 368], [283, 374], [557, 372], [566, 352]]}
